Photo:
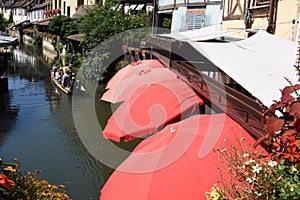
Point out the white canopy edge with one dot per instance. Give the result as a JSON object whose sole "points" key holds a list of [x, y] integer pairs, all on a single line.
{"points": [[203, 34], [259, 63], [7, 38], [5, 43]]}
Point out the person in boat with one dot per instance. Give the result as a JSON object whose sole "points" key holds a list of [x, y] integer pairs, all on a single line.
{"points": [[54, 70], [58, 75], [72, 83], [66, 79], [72, 73]]}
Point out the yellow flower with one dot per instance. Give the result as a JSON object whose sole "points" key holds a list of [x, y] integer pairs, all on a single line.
{"points": [[214, 193], [10, 168], [62, 186], [54, 187]]}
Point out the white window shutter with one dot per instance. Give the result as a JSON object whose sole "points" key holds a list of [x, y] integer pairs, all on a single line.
{"points": [[190, 22], [195, 21]]}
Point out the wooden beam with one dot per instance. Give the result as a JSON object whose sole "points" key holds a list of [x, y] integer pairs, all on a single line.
{"points": [[243, 109]]}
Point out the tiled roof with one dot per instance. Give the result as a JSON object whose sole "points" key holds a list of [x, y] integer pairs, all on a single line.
{"points": [[43, 22], [28, 3], [8, 4], [42, 5], [77, 37], [82, 10], [19, 4]]}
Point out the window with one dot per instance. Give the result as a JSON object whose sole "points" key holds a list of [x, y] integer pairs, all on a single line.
{"points": [[59, 4], [68, 11], [260, 3], [263, 1], [195, 21], [80, 2], [64, 8]]}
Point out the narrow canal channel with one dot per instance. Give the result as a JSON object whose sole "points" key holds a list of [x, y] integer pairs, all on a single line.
{"points": [[37, 127]]}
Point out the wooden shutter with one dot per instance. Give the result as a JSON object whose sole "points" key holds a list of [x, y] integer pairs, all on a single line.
{"points": [[195, 21], [198, 21]]}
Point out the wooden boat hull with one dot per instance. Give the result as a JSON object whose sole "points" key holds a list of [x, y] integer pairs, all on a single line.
{"points": [[65, 90]]}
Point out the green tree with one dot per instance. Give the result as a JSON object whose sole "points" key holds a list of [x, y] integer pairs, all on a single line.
{"points": [[3, 23], [99, 26], [63, 26], [10, 20], [105, 22]]}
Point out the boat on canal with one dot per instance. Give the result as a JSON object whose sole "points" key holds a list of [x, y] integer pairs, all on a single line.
{"points": [[59, 85]]}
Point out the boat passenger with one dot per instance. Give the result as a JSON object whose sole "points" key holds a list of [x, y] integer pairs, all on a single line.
{"points": [[54, 70], [72, 83], [58, 75], [65, 69], [66, 79]]}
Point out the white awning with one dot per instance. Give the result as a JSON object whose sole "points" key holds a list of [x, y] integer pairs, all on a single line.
{"points": [[6, 41], [4, 44], [7, 38], [206, 33], [258, 63], [133, 6]]}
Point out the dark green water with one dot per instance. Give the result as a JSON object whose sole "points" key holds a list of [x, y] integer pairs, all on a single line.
{"points": [[37, 127]]}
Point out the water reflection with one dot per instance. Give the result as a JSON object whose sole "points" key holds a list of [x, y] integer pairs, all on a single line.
{"points": [[26, 65], [8, 116]]}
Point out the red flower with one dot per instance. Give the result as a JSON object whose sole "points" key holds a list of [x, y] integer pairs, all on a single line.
{"points": [[292, 155], [277, 144], [291, 138], [6, 182]]}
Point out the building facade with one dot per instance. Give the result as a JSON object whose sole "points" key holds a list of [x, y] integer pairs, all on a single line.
{"points": [[36, 10], [280, 18], [189, 14], [6, 9], [69, 7]]}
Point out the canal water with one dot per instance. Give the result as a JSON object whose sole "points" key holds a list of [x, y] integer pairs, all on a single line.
{"points": [[37, 127]]}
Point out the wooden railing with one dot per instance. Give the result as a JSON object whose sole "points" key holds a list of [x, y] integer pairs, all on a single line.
{"points": [[243, 109]]}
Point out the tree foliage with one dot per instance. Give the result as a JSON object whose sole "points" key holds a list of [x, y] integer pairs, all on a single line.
{"points": [[110, 27], [104, 22], [11, 20], [63, 26], [3, 23]]}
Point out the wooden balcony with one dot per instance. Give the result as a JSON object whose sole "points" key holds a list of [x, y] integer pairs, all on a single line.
{"points": [[244, 109]]}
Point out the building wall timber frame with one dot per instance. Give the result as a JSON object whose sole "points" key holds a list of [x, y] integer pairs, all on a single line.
{"points": [[234, 9], [188, 4]]}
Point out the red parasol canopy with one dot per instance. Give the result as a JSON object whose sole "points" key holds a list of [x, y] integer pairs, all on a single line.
{"points": [[123, 89], [149, 108], [133, 68], [176, 163]]}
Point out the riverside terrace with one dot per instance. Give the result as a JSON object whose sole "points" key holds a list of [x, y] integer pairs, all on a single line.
{"points": [[242, 88]]}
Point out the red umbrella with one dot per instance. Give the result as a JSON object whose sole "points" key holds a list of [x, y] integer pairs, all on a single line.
{"points": [[125, 87], [133, 68], [149, 108], [176, 163]]}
